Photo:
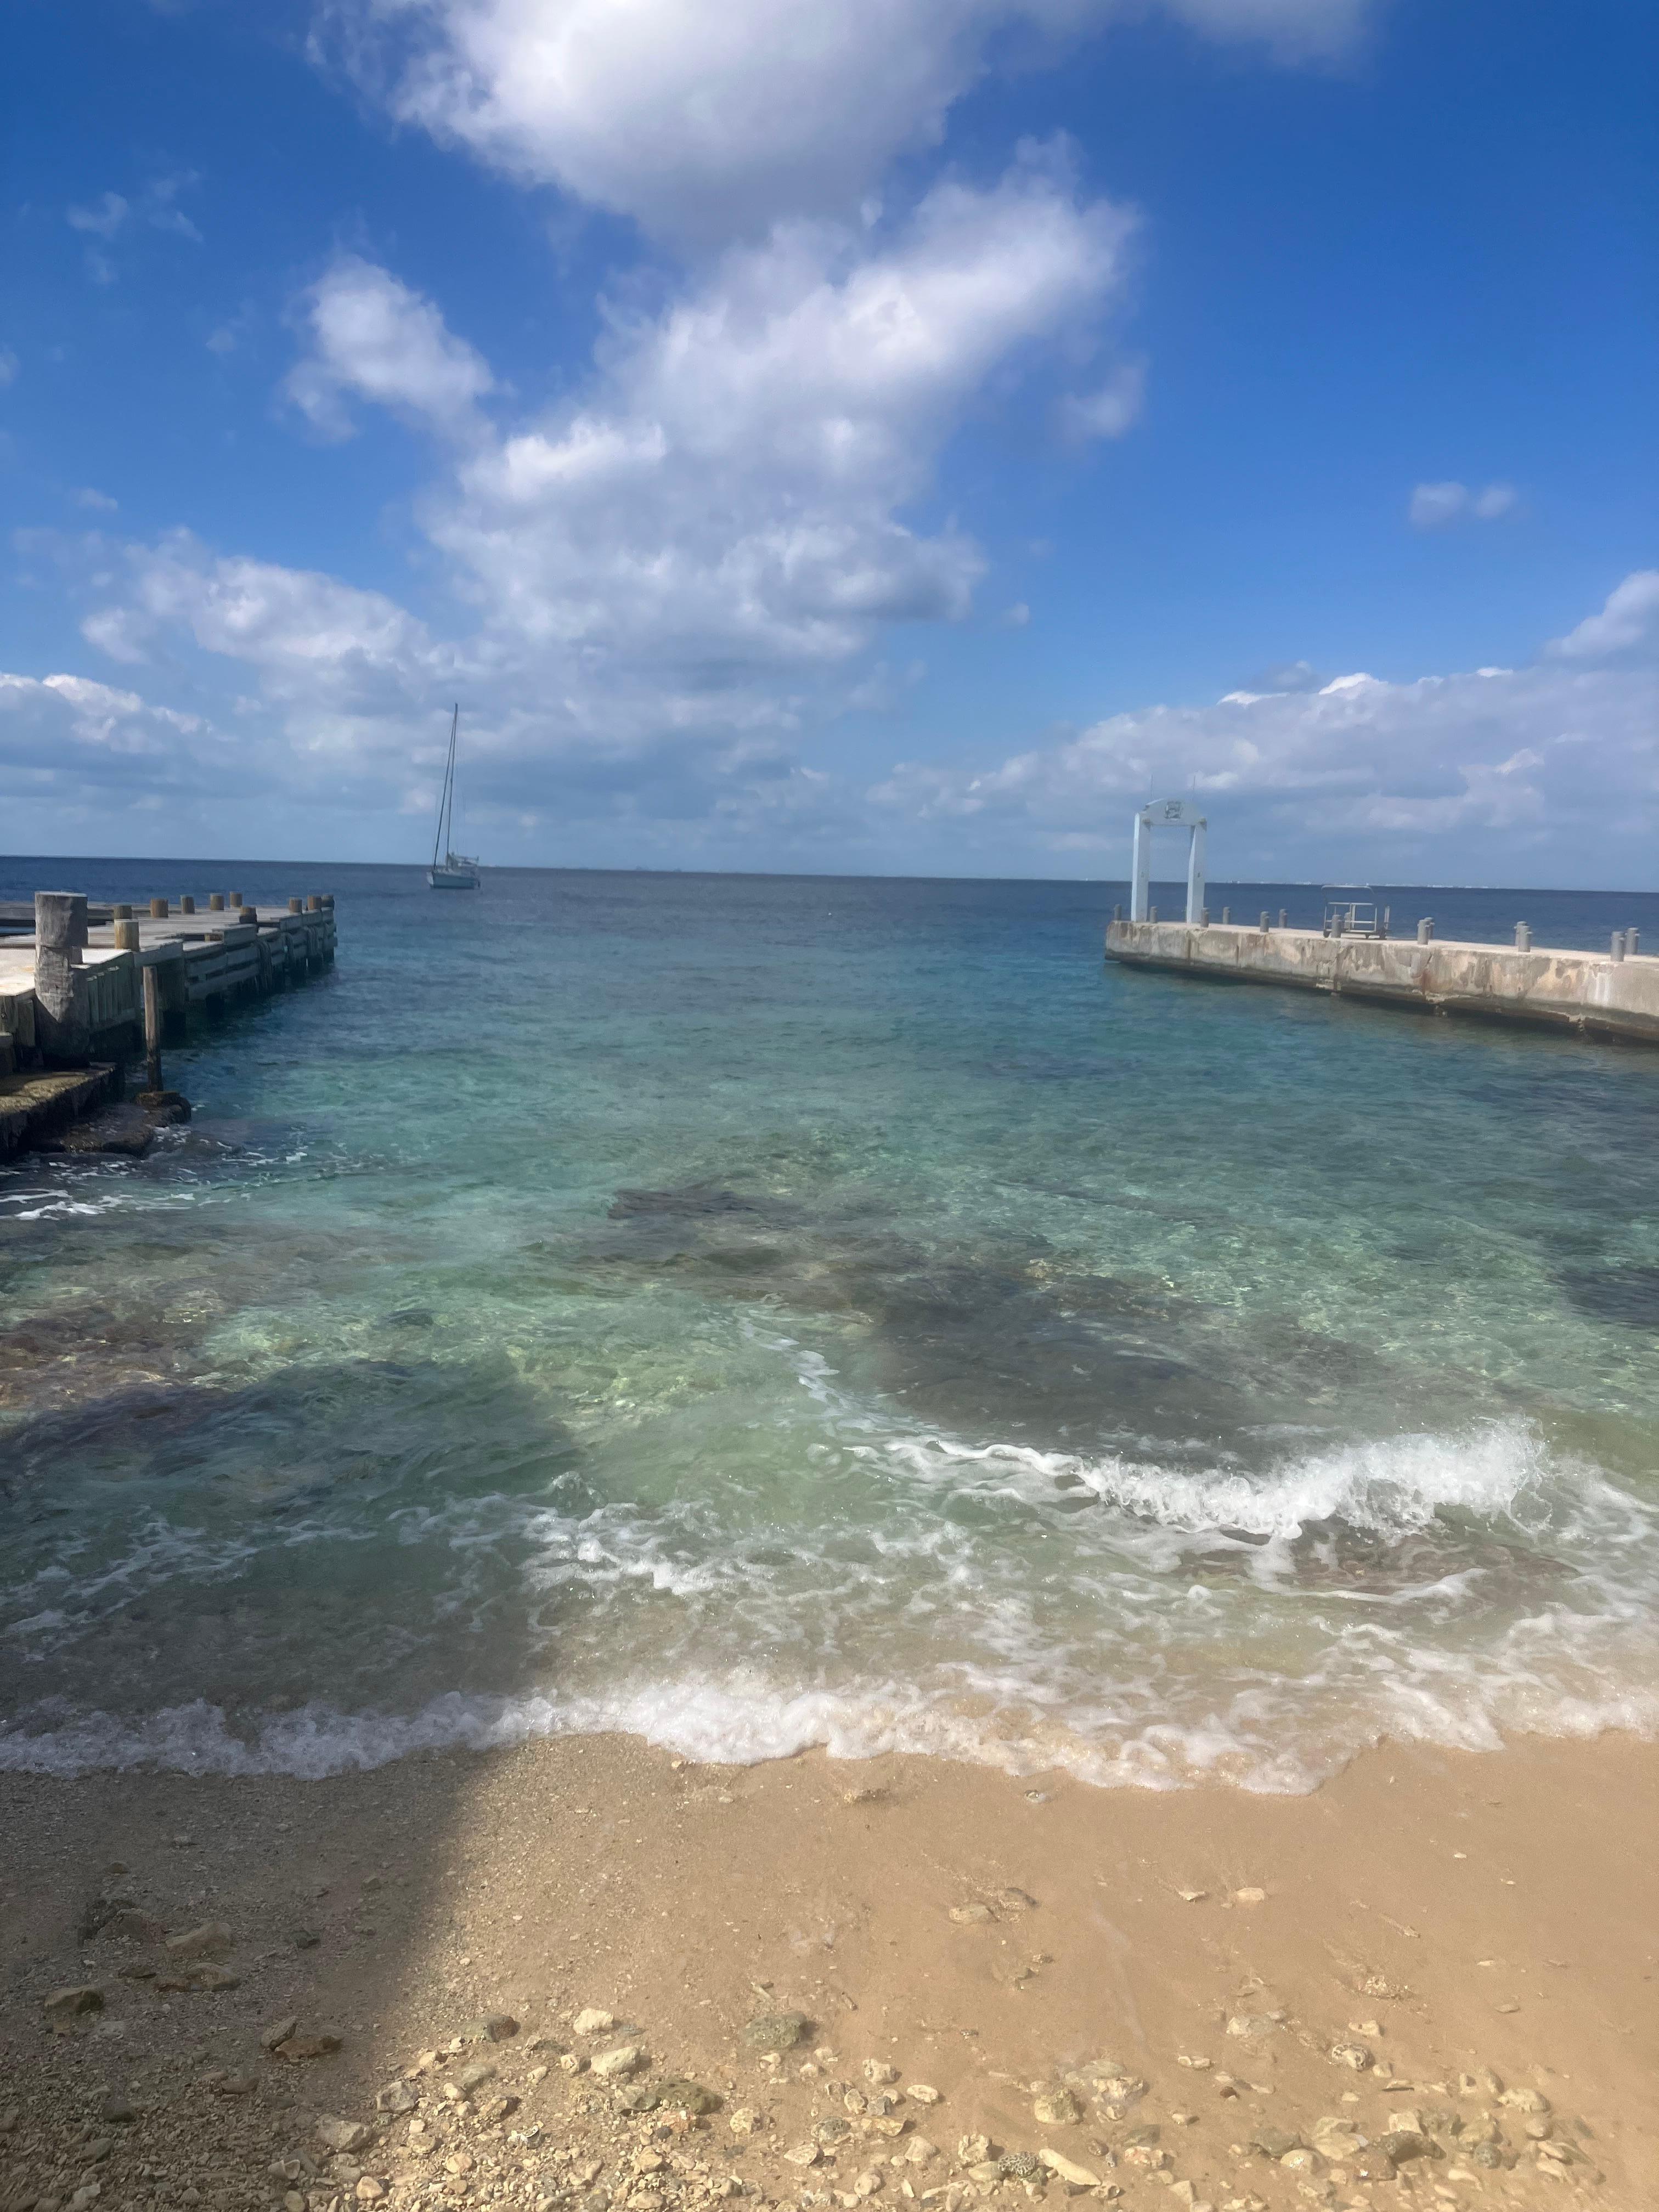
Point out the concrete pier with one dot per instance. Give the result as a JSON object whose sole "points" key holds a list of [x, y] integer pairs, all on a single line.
{"points": [[77, 980], [1594, 992]]}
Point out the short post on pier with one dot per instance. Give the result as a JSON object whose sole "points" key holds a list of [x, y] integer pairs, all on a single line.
{"points": [[61, 1012]]}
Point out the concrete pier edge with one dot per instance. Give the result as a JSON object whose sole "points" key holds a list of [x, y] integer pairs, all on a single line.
{"points": [[1588, 992]]}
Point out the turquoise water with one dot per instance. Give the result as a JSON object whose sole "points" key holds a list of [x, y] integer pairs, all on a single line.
{"points": [[758, 1312]]}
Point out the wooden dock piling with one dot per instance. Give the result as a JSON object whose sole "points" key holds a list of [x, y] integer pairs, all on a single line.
{"points": [[152, 1028]]}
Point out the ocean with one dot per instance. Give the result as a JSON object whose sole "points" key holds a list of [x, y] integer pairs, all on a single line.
{"points": [[760, 1312]]}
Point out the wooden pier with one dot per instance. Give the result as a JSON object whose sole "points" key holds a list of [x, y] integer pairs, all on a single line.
{"points": [[1604, 995], [85, 989]]}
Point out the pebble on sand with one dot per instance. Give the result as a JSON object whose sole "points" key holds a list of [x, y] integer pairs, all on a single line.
{"points": [[777, 2031], [339, 2134], [1077, 2177], [1352, 2054], [622, 2059], [65, 2005], [212, 1940]]}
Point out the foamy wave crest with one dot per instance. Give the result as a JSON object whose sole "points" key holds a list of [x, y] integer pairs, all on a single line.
{"points": [[1387, 1489]]}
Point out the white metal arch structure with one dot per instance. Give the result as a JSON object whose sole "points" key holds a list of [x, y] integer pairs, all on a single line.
{"points": [[1168, 814]]}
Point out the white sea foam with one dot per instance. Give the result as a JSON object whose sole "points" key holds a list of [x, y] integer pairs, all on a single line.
{"points": [[1385, 1489], [1130, 1620], [740, 1722]]}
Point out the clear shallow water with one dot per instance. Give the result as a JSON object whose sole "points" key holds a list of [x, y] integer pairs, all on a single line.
{"points": [[758, 1312]]}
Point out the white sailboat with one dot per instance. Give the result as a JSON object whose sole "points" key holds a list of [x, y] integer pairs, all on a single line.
{"points": [[454, 872]]}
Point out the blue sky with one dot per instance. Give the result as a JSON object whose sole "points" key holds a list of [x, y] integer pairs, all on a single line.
{"points": [[903, 438]]}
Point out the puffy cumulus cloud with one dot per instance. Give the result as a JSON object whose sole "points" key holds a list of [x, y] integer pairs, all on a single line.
{"points": [[1506, 762], [709, 118], [1434, 506], [732, 491], [656, 587], [1536, 773], [1630, 619], [370, 337], [343, 696], [309, 636], [67, 739]]}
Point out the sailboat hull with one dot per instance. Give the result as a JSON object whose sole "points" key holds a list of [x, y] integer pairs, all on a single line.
{"points": [[452, 879]]}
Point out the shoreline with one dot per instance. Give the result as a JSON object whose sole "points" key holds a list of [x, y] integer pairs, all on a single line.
{"points": [[1447, 1913]]}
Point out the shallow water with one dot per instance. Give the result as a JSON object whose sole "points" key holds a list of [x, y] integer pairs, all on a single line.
{"points": [[768, 1311]]}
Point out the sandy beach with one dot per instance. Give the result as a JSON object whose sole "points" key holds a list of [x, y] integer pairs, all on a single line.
{"points": [[1430, 1981]]}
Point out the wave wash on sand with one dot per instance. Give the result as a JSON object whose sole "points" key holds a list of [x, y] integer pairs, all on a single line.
{"points": [[1128, 1622]]}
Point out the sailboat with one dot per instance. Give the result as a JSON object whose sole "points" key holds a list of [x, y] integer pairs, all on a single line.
{"points": [[454, 872]]}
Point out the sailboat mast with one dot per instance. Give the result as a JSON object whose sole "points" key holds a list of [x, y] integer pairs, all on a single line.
{"points": [[446, 797]]}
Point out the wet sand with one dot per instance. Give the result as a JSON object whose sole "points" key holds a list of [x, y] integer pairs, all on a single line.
{"points": [[1426, 1915]]}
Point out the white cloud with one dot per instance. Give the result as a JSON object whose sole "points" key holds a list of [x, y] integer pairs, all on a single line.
{"points": [[712, 119], [662, 575], [99, 501], [1516, 760], [374, 338], [102, 219], [1435, 504], [311, 637], [1108, 412], [1630, 617], [111, 214], [68, 740], [1528, 771], [733, 487], [9, 367], [1292, 29], [160, 207]]}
